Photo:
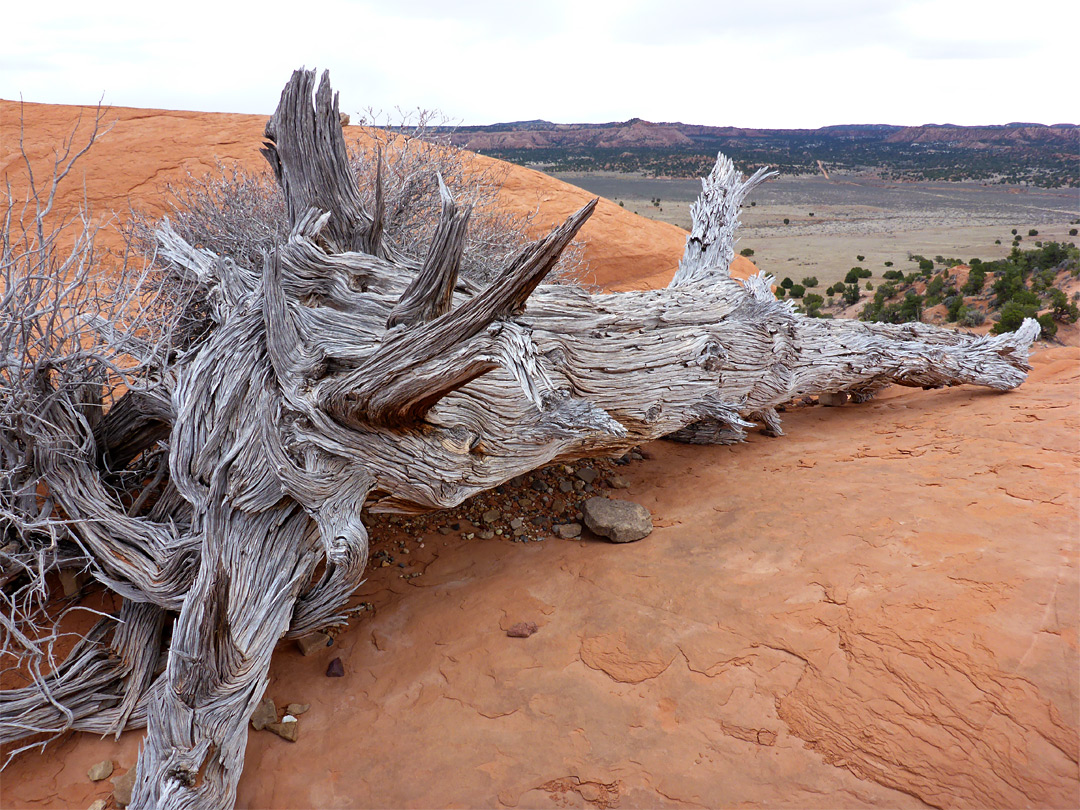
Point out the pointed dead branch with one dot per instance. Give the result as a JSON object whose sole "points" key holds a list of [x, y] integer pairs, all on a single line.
{"points": [[306, 150], [413, 369], [715, 216], [432, 291]]}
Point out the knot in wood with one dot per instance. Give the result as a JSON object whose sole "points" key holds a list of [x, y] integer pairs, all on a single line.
{"points": [[712, 356], [184, 775]]}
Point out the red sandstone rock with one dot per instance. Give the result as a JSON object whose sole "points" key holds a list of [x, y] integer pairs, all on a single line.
{"points": [[522, 630]]}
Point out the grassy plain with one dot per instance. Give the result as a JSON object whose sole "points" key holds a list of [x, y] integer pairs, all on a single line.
{"points": [[859, 215]]}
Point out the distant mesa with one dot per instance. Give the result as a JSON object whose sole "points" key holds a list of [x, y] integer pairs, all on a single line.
{"points": [[1001, 153]]}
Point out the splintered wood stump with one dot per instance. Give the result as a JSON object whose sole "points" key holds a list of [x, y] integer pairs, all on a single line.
{"points": [[339, 377]]}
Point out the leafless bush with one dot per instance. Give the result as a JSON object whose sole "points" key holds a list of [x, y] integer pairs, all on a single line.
{"points": [[78, 329], [415, 151], [241, 214]]}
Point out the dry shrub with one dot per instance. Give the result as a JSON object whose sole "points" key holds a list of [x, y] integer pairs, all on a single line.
{"points": [[241, 215], [79, 327]]}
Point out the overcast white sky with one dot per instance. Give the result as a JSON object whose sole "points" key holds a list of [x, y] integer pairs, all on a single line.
{"points": [[773, 63]]}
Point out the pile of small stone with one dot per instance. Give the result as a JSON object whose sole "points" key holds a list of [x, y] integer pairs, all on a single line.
{"points": [[123, 785], [532, 507], [284, 723]]}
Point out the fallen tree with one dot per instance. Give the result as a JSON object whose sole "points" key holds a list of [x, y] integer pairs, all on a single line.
{"points": [[222, 494]]}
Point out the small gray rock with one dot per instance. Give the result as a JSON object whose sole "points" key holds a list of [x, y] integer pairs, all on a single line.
{"points": [[297, 708], [313, 642], [71, 581], [566, 486], [619, 521], [517, 523], [491, 516], [587, 474], [264, 714], [568, 531], [522, 630], [618, 482], [103, 770], [287, 731], [123, 787]]}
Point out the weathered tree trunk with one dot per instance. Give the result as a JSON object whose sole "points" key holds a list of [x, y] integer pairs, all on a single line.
{"points": [[338, 378]]}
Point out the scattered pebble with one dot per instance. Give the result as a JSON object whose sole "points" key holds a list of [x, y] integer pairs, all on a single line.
{"points": [[297, 709], [313, 642], [522, 630], [568, 531], [587, 474], [264, 714], [286, 729], [336, 669], [123, 786], [102, 770]]}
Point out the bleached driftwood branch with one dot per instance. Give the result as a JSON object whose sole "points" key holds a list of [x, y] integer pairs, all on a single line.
{"points": [[358, 381]]}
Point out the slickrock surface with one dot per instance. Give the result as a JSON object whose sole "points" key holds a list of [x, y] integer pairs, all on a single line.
{"points": [[144, 149], [879, 609]]}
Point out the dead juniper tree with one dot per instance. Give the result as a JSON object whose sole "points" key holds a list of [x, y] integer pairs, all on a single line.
{"points": [[365, 376]]}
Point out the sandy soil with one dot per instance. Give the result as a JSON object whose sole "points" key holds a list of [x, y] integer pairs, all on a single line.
{"points": [[879, 609]]}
